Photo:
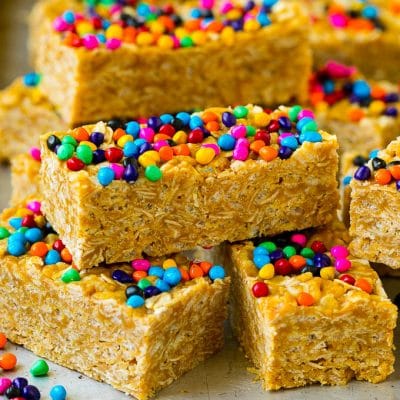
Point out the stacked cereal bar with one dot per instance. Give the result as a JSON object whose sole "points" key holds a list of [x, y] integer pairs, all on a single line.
{"points": [[136, 326], [167, 184], [357, 33], [25, 113], [364, 115], [112, 59], [307, 312], [375, 201]]}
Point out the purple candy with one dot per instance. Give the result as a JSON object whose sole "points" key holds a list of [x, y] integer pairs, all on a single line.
{"points": [[20, 383], [228, 119], [31, 392], [121, 276], [363, 173], [97, 138]]}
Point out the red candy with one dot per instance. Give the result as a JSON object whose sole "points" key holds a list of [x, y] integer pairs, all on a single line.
{"points": [[282, 267], [347, 278], [168, 130], [260, 289], [29, 221], [318, 247], [273, 126], [264, 136], [114, 155], [75, 164], [195, 136], [58, 245]]}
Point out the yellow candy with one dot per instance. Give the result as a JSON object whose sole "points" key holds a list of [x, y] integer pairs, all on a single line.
{"points": [[114, 32], [261, 119], [144, 39], [123, 140], [205, 155], [149, 158], [181, 32], [376, 107], [267, 271], [199, 37], [83, 28], [169, 263], [40, 220], [180, 137], [92, 146], [251, 25], [22, 212], [228, 36], [157, 27], [307, 276], [233, 14], [165, 42], [327, 273]]}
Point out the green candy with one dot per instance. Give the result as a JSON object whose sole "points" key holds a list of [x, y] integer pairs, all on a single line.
{"points": [[65, 151], [69, 140], [309, 126], [240, 112], [250, 130], [144, 283], [270, 246], [4, 233], [70, 275], [307, 252], [153, 173], [289, 251], [294, 112], [84, 153], [23, 229], [187, 41], [39, 368]]}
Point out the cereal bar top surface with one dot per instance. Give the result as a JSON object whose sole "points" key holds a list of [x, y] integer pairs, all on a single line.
{"points": [[341, 92], [28, 241], [361, 18], [383, 168], [110, 24], [212, 141], [306, 269]]}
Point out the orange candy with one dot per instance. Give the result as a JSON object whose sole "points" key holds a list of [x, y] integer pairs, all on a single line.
{"points": [[160, 136], [215, 26], [80, 134], [213, 126], [3, 340], [138, 275], [364, 285], [66, 255], [196, 271], [209, 116], [185, 274], [378, 92], [360, 24], [118, 134], [395, 171], [205, 266], [297, 262], [305, 299], [257, 145], [129, 35], [181, 150], [268, 153], [383, 176], [356, 114], [8, 361], [166, 153], [39, 249]]}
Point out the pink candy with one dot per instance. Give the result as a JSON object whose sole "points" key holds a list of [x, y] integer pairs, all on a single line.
{"points": [[213, 146], [241, 150], [90, 41], [118, 170], [161, 143], [141, 264], [305, 114], [60, 25], [147, 134], [299, 238], [35, 153], [239, 131], [338, 20], [207, 4], [113, 44], [339, 252], [342, 265], [226, 7], [283, 135], [337, 70], [34, 206], [5, 383]]}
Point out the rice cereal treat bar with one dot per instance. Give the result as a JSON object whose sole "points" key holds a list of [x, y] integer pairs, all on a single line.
{"points": [[374, 207], [171, 183], [357, 33], [25, 175], [136, 326], [25, 112], [115, 60], [330, 308], [364, 115]]}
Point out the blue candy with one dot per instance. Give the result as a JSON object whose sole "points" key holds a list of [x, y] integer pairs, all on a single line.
{"points": [[16, 222], [195, 122], [156, 271], [162, 285], [269, 3], [135, 301], [69, 17], [310, 136], [101, 38], [303, 122], [329, 86], [105, 176], [34, 235], [140, 142], [58, 393], [261, 260], [226, 142], [263, 19], [374, 153], [260, 251], [361, 89], [52, 257], [132, 128], [184, 117], [290, 141], [32, 79], [172, 276], [16, 248], [370, 12], [216, 272], [166, 118], [346, 180], [131, 150], [17, 237]]}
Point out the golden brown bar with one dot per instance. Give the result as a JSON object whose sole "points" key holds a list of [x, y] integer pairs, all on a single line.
{"points": [[25, 113], [375, 201], [192, 64], [237, 183], [316, 325], [98, 322]]}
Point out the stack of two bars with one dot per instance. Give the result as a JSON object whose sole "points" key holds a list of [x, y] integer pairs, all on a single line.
{"points": [[86, 298]]}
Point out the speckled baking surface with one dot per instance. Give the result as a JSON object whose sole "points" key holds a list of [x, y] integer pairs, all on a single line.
{"points": [[223, 377]]}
